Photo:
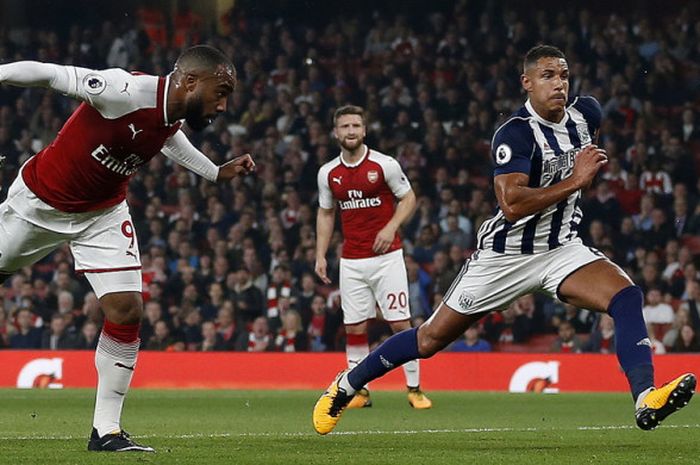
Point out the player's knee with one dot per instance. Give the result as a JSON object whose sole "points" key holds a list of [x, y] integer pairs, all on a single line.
{"points": [[123, 308], [429, 344]]}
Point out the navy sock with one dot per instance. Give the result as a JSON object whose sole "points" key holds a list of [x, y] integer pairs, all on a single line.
{"points": [[631, 339], [394, 352]]}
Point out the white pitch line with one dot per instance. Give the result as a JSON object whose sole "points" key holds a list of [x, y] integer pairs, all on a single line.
{"points": [[352, 433]]}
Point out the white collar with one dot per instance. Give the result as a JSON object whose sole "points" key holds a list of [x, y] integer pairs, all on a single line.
{"points": [[539, 119], [357, 163], [165, 100]]}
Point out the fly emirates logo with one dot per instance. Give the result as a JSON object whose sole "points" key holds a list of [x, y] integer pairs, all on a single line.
{"points": [[357, 201], [125, 167]]}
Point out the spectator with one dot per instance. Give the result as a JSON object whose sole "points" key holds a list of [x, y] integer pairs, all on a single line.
{"points": [[27, 336], [692, 304], [211, 340], [657, 312], [161, 339], [602, 339], [471, 342], [247, 298], [567, 342], [226, 325], [153, 313], [687, 340], [56, 337], [191, 329], [426, 246], [258, 339], [89, 335], [418, 289], [291, 337], [657, 347], [682, 318], [317, 324]]}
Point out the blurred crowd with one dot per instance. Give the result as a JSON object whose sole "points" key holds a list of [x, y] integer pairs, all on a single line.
{"points": [[230, 267]]}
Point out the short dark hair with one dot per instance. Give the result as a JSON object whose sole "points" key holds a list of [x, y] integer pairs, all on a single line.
{"points": [[203, 57], [541, 51], [348, 110]]}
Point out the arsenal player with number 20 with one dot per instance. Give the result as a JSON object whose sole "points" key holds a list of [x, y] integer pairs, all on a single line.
{"points": [[364, 184], [74, 191]]}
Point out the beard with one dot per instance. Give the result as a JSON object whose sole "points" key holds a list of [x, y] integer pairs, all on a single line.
{"points": [[194, 114], [352, 145]]}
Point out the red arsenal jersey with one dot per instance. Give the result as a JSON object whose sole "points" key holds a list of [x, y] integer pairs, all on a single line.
{"points": [[365, 193], [103, 143]]}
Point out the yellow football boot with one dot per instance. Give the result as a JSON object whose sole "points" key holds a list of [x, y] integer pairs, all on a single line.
{"points": [[661, 402], [329, 407], [417, 399], [361, 399]]}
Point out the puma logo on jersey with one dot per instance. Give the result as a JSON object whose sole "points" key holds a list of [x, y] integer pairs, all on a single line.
{"points": [[134, 130], [338, 179], [130, 253], [124, 91]]}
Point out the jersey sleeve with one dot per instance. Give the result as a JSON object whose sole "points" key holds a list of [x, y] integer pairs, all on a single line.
{"points": [[180, 149], [512, 148], [591, 110], [112, 92], [396, 179], [325, 196]]}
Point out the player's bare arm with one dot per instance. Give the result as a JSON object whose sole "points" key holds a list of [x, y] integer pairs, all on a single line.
{"points": [[239, 166], [404, 210], [517, 200], [325, 219]]}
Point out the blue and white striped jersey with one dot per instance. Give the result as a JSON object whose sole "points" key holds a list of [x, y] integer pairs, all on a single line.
{"points": [[545, 151]]}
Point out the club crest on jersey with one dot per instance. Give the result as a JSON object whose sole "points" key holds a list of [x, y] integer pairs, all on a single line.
{"points": [[372, 176], [583, 134], [94, 84], [466, 299], [503, 154]]}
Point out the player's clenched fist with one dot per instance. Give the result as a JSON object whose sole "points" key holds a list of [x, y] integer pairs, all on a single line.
{"points": [[239, 166], [588, 161]]}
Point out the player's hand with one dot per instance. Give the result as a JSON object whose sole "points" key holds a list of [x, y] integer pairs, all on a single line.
{"points": [[321, 270], [239, 166], [384, 239], [588, 162]]}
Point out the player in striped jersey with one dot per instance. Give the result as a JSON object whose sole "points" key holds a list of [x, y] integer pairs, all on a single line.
{"points": [[544, 156]]}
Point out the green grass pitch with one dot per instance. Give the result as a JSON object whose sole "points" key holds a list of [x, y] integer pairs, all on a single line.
{"points": [[274, 427]]}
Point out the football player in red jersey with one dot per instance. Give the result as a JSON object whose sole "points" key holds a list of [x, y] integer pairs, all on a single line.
{"points": [[364, 184], [74, 191]]}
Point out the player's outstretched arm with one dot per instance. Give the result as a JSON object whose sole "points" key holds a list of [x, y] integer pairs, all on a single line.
{"points": [[517, 200], [179, 149], [32, 74]]}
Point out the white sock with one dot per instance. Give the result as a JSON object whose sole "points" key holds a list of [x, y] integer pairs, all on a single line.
{"points": [[641, 396], [344, 384], [355, 353], [412, 371], [115, 362]]}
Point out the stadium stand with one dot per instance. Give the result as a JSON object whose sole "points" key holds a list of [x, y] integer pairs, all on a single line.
{"points": [[436, 84]]}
